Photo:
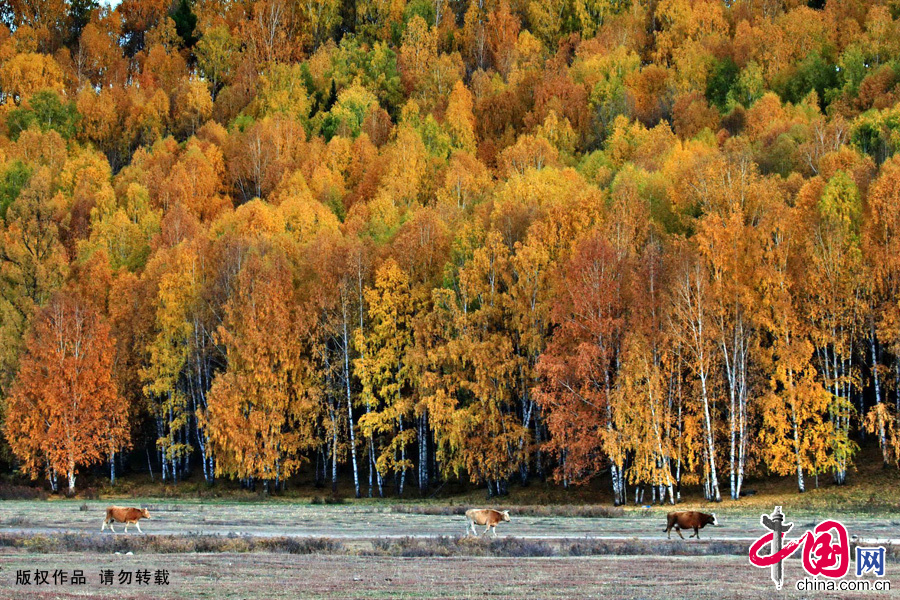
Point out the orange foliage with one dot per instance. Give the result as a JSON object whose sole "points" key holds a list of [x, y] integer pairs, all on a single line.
{"points": [[65, 411]]}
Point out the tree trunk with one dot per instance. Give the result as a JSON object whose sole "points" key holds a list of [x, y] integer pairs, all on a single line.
{"points": [[732, 419], [538, 441], [620, 495], [837, 416], [198, 403], [526, 423], [692, 295], [350, 405], [423, 453], [319, 478], [334, 444], [710, 447], [149, 464], [897, 384], [186, 457], [680, 438], [662, 458], [371, 462], [160, 432], [51, 475], [882, 438], [801, 486], [173, 465], [402, 459], [742, 424], [373, 467], [732, 454]]}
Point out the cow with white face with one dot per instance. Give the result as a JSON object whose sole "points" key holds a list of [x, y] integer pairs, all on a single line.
{"points": [[487, 517]]}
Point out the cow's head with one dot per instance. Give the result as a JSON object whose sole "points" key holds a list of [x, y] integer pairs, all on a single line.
{"points": [[505, 514], [145, 513], [713, 521]]}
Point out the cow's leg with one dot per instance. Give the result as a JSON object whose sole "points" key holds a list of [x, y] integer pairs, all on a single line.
{"points": [[697, 532], [494, 531], [678, 531], [138, 525], [111, 523], [126, 526], [103, 527], [486, 529]]}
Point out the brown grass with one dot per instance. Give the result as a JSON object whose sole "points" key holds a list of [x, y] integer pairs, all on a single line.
{"points": [[565, 510], [165, 544], [10, 491], [513, 547], [410, 547], [288, 577], [327, 500]]}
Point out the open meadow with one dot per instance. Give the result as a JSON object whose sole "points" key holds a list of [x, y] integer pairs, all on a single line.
{"points": [[282, 576], [290, 549], [386, 521]]}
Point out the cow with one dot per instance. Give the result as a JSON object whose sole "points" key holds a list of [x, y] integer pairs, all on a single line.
{"points": [[487, 517], [689, 519], [124, 515]]}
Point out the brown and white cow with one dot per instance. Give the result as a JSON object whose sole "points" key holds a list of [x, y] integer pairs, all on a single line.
{"points": [[128, 516], [689, 519], [487, 517]]}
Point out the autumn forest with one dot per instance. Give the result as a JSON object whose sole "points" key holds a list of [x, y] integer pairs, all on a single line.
{"points": [[401, 242]]}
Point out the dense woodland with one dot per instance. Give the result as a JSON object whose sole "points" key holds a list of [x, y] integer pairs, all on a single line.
{"points": [[410, 241]]}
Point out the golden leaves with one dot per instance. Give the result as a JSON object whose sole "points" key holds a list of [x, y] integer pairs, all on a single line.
{"points": [[64, 411]]}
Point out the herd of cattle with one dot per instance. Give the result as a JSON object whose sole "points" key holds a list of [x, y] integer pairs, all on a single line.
{"points": [[486, 517]]}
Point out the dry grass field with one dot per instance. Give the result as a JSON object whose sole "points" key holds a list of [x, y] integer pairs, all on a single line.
{"points": [[177, 517], [242, 550], [236, 545], [276, 576]]}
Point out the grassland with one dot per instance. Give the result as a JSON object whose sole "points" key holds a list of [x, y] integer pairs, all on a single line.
{"points": [[227, 543], [351, 521], [279, 576], [279, 549]]}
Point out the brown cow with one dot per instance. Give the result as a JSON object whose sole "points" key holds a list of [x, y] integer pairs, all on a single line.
{"points": [[124, 515], [487, 517], [689, 519]]}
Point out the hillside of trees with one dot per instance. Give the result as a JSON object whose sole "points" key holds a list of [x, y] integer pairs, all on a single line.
{"points": [[411, 241]]}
